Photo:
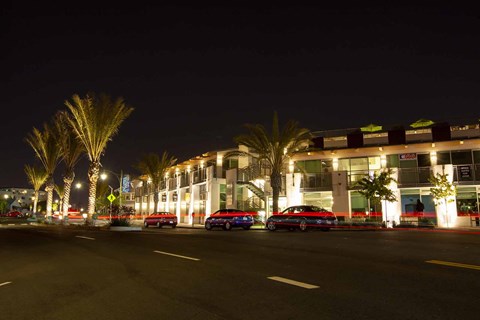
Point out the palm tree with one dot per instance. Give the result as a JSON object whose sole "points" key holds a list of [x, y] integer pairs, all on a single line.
{"points": [[36, 177], [72, 150], [95, 120], [275, 149], [60, 190], [154, 168], [44, 144]]}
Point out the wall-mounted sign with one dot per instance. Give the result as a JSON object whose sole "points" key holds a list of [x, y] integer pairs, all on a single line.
{"points": [[464, 171], [408, 156]]}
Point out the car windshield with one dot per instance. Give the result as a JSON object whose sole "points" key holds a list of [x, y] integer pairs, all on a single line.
{"points": [[300, 209]]}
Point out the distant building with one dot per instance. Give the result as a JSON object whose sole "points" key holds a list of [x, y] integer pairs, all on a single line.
{"points": [[21, 198]]}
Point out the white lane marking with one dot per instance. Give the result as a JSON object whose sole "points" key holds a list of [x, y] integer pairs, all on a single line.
{"points": [[5, 283], [176, 255], [294, 283], [82, 237], [454, 264]]}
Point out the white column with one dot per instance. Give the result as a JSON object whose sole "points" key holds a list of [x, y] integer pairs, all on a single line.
{"points": [[446, 213], [391, 211], [294, 196]]}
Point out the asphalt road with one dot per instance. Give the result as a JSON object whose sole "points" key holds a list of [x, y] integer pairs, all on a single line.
{"points": [[51, 272]]}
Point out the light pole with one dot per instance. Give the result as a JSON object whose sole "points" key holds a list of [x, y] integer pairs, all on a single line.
{"points": [[104, 176], [111, 192], [78, 186]]}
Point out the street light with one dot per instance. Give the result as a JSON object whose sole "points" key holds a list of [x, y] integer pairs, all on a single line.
{"points": [[111, 192], [104, 176], [78, 186]]}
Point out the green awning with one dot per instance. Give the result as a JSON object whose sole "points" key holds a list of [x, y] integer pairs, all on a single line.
{"points": [[371, 128], [421, 123]]}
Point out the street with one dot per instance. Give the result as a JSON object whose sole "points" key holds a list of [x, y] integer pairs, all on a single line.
{"points": [[52, 272]]}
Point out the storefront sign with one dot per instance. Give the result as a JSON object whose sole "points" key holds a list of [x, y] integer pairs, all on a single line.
{"points": [[408, 156], [464, 171]]}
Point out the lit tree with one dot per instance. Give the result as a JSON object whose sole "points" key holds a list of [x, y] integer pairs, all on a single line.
{"points": [[95, 120], [443, 191], [376, 187], [36, 177], [154, 168], [44, 144], [275, 148], [72, 150]]}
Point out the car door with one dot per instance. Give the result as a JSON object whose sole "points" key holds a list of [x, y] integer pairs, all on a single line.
{"points": [[295, 217]]}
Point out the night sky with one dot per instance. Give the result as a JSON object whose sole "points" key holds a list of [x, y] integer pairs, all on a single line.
{"points": [[196, 74]]}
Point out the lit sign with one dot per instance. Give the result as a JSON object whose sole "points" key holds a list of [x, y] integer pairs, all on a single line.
{"points": [[408, 156]]}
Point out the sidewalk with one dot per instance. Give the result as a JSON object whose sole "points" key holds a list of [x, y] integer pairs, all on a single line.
{"points": [[201, 226]]}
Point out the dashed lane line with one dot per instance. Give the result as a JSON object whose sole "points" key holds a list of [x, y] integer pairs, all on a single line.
{"points": [[5, 283], [454, 264], [294, 283], [82, 237], [176, 255]]}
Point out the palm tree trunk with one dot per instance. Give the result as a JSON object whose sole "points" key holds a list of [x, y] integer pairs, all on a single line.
{"points": [[155, 198], [35, 202], [67, 189], [276, 183], [49, 189], [93, 174]]}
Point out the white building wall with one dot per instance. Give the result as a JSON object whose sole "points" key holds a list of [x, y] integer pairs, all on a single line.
{"points": [[340, 194]]}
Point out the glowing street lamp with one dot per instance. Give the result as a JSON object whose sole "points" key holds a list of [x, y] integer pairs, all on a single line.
{"points": [[104, 176]]}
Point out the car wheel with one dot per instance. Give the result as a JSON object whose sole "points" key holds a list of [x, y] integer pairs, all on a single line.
{"points": [[208, 225], [271, 226], [246, 227], [303, 225], [174, 226], [159, 225], [145, 224], [227, 226]]}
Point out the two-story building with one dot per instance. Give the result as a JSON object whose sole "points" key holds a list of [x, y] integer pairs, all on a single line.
{"points": [[326, 175]]}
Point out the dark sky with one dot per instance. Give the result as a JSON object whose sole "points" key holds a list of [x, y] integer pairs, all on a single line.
{"points": [[196, 74]]}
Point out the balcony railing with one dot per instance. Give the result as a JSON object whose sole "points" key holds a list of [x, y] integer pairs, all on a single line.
{"points": [[316, 182]]}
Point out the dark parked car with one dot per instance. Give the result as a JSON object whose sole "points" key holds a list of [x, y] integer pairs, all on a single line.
{"points": [[228, 219], [302, 217], [160, 219]]}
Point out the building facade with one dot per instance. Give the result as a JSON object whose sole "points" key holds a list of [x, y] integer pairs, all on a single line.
{"points": [[327, 173]]}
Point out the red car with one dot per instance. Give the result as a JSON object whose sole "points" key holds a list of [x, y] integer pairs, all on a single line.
{"points": [[14, 214], [160, 219]]}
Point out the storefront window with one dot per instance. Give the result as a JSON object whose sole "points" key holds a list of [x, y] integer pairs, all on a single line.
{"points": [[461, 157], [393, 161], [320, 199], [424, 160], [443, 157], [466, 201]]}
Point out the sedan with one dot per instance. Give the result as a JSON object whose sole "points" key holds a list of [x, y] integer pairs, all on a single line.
{"points": [[302, 217], [160, 219], [13, 214], [228, 219]]}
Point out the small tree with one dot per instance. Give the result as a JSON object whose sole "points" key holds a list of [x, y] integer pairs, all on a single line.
{"points": [[376, 187], [443, 191]]}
